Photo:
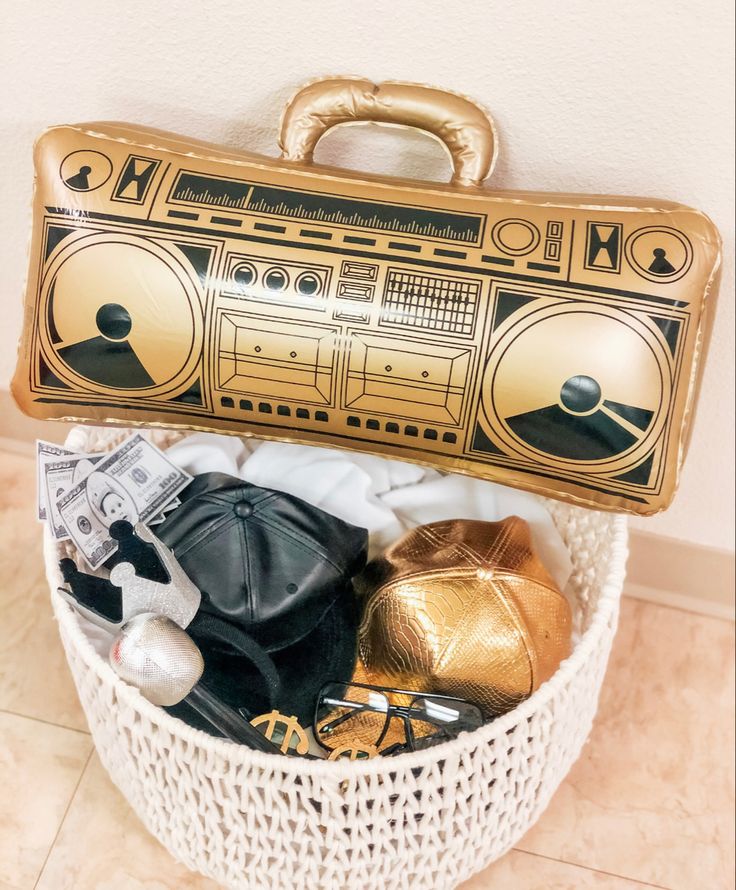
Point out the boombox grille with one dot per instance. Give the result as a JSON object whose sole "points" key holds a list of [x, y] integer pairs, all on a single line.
{"points": [[429, 302]]}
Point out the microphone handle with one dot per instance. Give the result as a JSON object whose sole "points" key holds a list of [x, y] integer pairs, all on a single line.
{"points": [[227, 721]]}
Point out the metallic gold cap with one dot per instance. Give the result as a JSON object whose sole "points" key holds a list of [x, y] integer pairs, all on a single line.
{"points": [[463, 608]]}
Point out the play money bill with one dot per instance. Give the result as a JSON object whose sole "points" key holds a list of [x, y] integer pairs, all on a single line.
{"points": [[45, 451], [59, 476], [135, 482]]}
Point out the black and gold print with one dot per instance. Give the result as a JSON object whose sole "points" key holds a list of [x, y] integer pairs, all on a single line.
{"points": [[551, 342]]}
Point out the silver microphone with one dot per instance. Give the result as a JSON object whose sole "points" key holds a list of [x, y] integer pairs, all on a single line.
{"points": [[154, 654]]}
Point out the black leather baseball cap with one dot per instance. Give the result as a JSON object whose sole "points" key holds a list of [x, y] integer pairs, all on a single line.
{"points": [[278, 570]]}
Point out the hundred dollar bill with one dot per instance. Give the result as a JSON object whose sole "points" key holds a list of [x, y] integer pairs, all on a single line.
{"points": [[136, 482], [45, 451], [59, 477]]}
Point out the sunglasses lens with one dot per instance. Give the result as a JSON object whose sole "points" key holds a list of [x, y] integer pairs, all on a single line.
{"points": [[451, 715], [350, 715]]}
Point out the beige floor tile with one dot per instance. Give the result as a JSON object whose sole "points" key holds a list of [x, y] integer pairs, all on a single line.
{"points": [[34, 678], [40, 766], [525, 871], [652, 796], [19, 530], [103, 846], [18, 480]]}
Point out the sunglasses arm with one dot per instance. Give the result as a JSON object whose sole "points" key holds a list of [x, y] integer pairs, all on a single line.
{"points": [[338, 721]]}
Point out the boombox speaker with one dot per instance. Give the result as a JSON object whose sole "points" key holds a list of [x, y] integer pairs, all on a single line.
{"points": [[546, 341]]}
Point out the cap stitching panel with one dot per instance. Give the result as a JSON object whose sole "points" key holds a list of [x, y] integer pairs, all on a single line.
{"points": [[220, 499], [481, 590], [304, 539], [458, 546], [245, 557], [242, 492], [202, 535], [226, 501], [468, 603], [522, 629], [261, 499], [309, 545], [498, 544]]}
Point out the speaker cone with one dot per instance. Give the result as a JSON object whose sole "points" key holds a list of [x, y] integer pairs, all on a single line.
{"points": [[568, 385], [121, 314]]}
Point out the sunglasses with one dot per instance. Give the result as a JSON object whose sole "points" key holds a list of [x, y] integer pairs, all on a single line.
{"points": [[361, 715]]}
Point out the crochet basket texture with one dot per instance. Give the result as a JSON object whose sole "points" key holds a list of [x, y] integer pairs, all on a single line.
{"points": [[422, 821]]}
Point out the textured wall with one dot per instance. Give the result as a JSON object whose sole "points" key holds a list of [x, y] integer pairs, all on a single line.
{"points": [[626, 97]]}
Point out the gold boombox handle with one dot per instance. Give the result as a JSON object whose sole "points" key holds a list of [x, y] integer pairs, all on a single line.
{"points": [[466, 130]]}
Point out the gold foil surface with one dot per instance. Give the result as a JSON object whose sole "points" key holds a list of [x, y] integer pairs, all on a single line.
{"points": [[551, 342], [463, 608]]}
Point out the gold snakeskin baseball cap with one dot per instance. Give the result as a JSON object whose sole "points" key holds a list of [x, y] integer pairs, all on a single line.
{"points": [[463, 608]]}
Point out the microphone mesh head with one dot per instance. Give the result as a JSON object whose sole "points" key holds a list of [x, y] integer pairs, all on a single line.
{"points": [[154, 654]]}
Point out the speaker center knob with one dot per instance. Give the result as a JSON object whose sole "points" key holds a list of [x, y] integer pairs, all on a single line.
{"points": [[113, 321], [580, 394]]}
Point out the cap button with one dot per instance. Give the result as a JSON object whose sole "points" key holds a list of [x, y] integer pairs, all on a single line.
{"points": [[243, 509]]}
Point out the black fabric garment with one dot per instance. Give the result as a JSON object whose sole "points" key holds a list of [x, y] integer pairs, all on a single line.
{"points": [[278, 570]]}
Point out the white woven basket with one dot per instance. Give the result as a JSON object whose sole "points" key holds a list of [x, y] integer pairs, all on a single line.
{"points": [[422, 821]]}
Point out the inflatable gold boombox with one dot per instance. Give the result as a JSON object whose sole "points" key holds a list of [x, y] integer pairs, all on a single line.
{"points": [[547, 341]]}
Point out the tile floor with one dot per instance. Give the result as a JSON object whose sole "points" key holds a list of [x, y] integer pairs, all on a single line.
{"points": [[649, 804]]}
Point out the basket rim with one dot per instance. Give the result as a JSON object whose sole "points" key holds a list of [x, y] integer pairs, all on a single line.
{"points": [[291, 767]]}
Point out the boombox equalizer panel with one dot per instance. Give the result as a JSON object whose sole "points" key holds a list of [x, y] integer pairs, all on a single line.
{"points": [[542, 342]]}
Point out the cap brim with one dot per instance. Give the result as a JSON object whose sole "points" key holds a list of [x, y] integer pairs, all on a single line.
{"points": [[327, 653]]}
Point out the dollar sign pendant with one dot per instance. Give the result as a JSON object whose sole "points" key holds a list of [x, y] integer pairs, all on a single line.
{"points": [[354, 752], [290, 729]]}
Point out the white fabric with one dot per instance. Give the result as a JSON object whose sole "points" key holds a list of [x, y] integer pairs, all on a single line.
{"points": [[387, 497], [100, 639], [423, 821]]}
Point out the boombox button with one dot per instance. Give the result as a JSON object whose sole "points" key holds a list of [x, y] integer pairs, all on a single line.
{"points": [[580, 394], [308, 284], [276, 279], [515, 236], [244, 274], [659, 253], [85, 170]]}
